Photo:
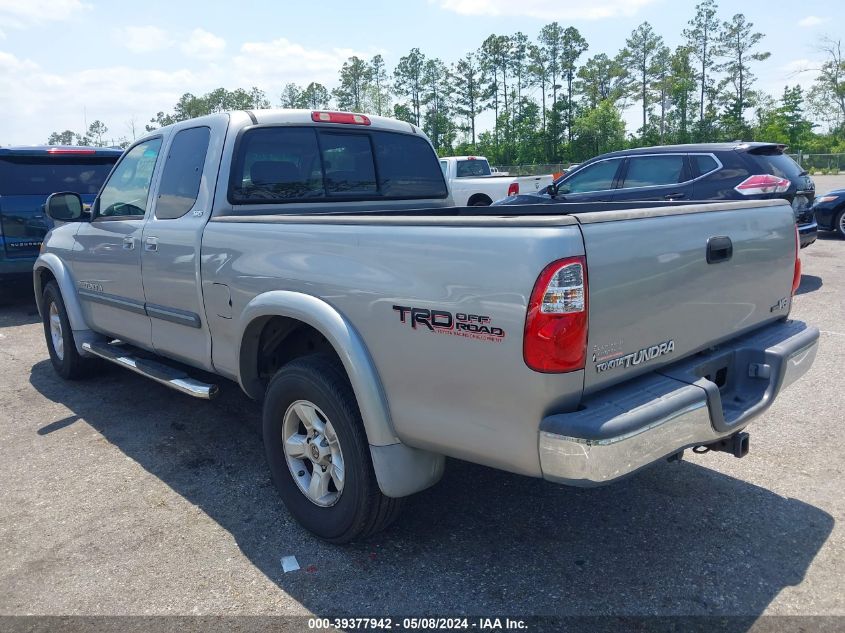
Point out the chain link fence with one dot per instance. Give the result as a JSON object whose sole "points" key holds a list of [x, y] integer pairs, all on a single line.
{"points": [[532, 170], [821, 163]]}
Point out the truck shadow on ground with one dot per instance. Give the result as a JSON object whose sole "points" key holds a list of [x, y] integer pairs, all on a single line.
{"points": [[676, 539], [809, 283]]}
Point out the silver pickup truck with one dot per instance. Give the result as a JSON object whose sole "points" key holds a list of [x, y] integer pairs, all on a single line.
{"points": [[312, 258]]}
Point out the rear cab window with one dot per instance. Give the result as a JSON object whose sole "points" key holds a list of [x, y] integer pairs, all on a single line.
{"points": [[281, 164], [180, 181], [472, 167]]}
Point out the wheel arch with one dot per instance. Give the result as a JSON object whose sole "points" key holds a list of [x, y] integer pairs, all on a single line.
{"points": [[49, 267], [400, 470], [477, 198]]}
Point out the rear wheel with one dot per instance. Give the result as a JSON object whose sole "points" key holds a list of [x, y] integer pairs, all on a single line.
{"points": [[318, 454], [839, 223], [60, 343]]}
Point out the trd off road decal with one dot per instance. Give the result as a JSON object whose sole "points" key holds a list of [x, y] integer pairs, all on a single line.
{"points": [[475, 326]]}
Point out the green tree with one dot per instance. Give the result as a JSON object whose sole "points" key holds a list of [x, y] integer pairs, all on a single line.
{"points": [[681, 93], [737, 42], [539, 76], [292, 96], [601, 79], [467, 81], [662, 87], [551, 38], [315, 96], [638, 58], [827, 97], [598, 130], [573, 45], [407, 80], [355, 80], [62, 138], [97, 132], [379, 87], [701, 40]]}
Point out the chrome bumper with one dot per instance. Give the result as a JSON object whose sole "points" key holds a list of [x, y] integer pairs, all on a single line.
{"points": [[628, 427]]}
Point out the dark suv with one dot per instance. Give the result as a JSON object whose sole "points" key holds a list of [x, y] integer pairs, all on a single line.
{"points": [[27, 176], [707, 171]]}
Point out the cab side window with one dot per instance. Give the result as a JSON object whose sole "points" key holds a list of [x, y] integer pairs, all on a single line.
{"points": [[595, 177], [180, 181], [127, 190]]}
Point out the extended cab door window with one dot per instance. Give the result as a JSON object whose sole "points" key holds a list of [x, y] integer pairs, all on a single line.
{"points": [[127, 190], [180, 181]]}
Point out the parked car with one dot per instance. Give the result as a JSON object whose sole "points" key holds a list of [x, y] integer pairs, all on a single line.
{"points": [[829, 211], [27, 176], [706, 171], [472, 182], [384, 330]]}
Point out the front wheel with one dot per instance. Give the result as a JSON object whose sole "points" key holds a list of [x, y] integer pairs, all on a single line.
{"points": [[318, 454], [57, 331]]}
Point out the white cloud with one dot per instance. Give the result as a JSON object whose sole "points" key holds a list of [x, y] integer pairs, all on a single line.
{"points": [[546, 9], [203, 45], [811, 21], [142, 39], [22, 14], [280, 61], [29, 91]]}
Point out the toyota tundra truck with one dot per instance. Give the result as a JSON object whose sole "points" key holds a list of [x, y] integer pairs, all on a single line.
{"points": [[313, 259]]}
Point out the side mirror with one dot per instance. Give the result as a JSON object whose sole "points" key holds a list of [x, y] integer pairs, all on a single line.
{"points": [[65, 206]]}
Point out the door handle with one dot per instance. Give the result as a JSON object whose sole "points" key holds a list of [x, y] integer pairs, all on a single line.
{"points": [[128, 243], [675, 196], [719, 249], [151, 244]]}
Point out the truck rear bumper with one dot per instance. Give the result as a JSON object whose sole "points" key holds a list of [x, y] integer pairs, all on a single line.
{"points": [[696, 401]]}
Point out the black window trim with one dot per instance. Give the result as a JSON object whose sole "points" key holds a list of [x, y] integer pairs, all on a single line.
{"points": [[164, 166], [345, 129], [686, 155], [95, 207]]}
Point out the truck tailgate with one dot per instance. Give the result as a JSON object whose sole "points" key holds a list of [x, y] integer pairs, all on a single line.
{"points": [[654, 297]]}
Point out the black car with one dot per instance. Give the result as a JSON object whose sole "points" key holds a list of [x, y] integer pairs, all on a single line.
{"points": [[706, 171], [829, 211]]}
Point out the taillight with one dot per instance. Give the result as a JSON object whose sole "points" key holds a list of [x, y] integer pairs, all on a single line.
{"points": [[762, 183], [513, 189], [796, 274], [556, 323], [340, 117]]}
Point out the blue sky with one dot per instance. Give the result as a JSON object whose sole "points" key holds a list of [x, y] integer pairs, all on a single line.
{"points": [[63, 62]]}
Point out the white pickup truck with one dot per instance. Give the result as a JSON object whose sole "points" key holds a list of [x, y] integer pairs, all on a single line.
{"points": [[474, 184]]}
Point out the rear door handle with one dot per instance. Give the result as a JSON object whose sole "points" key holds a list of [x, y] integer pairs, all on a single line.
{"points": [[128, 243], [719, 249], [151, 244], [675, 196]]}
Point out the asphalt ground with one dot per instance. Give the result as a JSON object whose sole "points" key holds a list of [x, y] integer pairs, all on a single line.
{"points": [[119, 496]]}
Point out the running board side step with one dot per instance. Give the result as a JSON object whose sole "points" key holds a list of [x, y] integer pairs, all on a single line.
{"points": [[161, 373]]}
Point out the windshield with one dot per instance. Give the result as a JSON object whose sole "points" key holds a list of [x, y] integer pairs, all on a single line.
{"points": [[36, 175]]}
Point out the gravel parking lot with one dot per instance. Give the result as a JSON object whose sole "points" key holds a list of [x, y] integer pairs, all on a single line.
{"points": [[118, 496]]}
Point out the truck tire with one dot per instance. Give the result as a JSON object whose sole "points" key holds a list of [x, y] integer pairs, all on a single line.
{"points": [[66, 360], [318, 454]]}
